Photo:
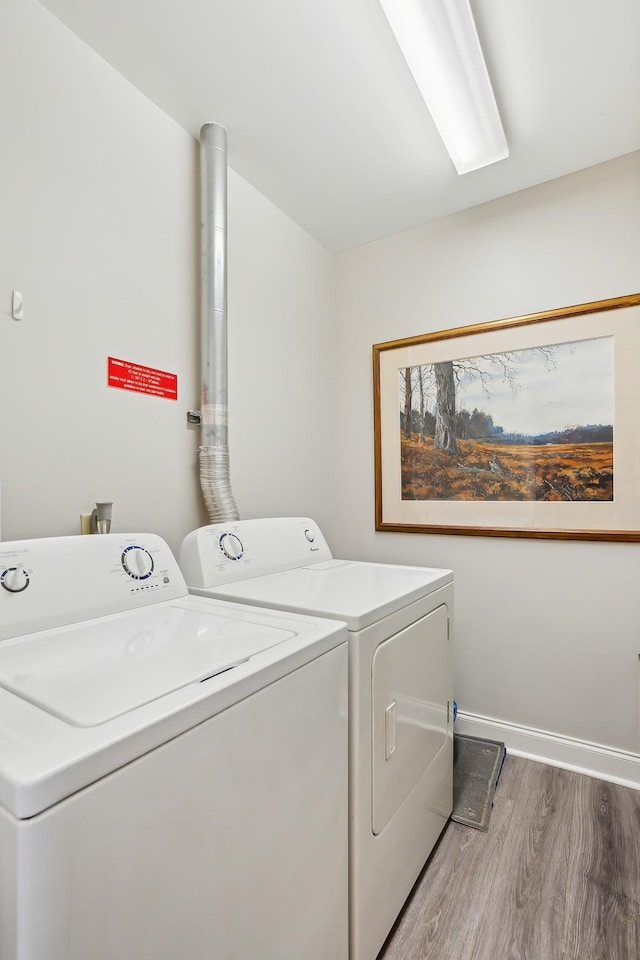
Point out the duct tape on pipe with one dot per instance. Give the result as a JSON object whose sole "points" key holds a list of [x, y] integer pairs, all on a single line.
{"points": [[214, 413]]}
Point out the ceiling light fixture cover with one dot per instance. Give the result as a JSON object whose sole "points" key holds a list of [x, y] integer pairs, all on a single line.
{"points": [[439, 41]]}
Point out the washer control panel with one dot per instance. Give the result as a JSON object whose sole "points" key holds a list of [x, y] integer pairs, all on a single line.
{"points": [[60, 580]]}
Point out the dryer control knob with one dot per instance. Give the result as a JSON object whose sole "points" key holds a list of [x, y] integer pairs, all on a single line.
{"points": [[231, 546], [137, 562], [15, 579]]}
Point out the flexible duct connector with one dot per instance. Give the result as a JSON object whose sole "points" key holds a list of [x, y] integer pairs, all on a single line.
{"points": [[214, 411]]}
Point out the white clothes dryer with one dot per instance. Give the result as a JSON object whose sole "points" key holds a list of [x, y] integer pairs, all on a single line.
{"points": [[400, 690], [173, 770]]}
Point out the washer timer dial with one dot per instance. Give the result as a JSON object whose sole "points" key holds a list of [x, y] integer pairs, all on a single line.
{"points": [[231, 546], [137, 562]]}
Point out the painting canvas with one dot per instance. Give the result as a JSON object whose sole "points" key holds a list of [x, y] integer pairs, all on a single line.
{"points": [[533, 424], [528, 426]]}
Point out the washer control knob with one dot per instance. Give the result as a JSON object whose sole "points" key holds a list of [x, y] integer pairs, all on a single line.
{"points": [[137, 562], [15, 579], [231, 546], [309, 535]]}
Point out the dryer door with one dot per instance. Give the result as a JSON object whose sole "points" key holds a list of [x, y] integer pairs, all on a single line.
{"points": [[412, 678]]}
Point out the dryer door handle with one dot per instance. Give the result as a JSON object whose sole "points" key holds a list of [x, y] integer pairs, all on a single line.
{"points": [[389, 730]]}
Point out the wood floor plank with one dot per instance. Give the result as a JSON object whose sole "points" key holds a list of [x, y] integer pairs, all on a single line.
{"points": [[603, 899], [441, 917], [557, 877], [527, 913]]}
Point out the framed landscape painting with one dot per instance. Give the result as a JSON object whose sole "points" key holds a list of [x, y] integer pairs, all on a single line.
{"points": [[524, 427]]}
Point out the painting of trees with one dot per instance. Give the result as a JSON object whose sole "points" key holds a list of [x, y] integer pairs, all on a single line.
{"points": [[555, 440]]}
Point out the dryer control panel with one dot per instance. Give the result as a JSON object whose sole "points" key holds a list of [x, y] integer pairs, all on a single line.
{"points": [[241, 549], [54, 581]]}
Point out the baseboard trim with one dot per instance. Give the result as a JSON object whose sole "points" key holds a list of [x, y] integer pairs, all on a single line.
{"points": [[592, 759]]}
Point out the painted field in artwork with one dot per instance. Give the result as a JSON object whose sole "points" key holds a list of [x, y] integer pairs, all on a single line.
{"points": [[490, 471]]}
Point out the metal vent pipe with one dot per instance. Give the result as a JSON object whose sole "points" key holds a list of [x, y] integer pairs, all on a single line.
{"points": [[214, 411]]}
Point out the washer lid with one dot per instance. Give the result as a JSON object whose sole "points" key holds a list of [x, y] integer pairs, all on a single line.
{"points": [[141, 669], [354, 591], [91, 672]]}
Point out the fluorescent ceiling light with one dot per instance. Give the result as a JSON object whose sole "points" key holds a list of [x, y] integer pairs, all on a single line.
{"points": [[439, 41]]}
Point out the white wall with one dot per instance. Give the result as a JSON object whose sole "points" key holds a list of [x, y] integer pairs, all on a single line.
{"points": [[282, 324], [100, 232], [547, 633]]}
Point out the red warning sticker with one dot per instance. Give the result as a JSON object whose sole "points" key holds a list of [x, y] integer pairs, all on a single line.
{"points": [[133, 376]]}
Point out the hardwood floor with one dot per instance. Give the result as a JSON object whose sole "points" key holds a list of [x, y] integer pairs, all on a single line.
{"points": [[557, 877]]}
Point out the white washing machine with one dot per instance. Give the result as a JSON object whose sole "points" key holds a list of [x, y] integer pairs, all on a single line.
{"points": [[173, 770], [400, 690]]}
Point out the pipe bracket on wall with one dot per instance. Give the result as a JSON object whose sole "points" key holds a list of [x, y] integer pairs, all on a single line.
{"points": [[17, 305], [194, 417]]}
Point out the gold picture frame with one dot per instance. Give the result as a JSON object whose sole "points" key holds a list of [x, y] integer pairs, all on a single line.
{"points": [[564, 464]]}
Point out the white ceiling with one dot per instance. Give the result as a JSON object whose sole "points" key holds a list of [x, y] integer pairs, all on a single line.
{"points": [[323, 116]]}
